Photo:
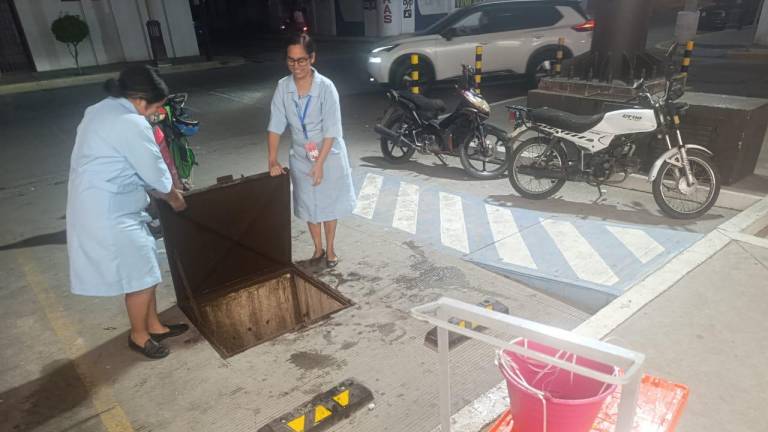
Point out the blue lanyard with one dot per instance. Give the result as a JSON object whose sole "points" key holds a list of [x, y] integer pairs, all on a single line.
{"points": [[303, 116]]}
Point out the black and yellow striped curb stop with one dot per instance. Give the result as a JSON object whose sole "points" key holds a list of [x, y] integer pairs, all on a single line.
{"points": [[455, 339], [324, 410]]}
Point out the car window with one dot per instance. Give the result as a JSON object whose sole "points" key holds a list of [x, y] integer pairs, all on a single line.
{"points": [[447, 22], [522, 18], [471, 25]]}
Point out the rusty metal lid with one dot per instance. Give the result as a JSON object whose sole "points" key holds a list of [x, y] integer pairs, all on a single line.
{"points": [[229, 232]]}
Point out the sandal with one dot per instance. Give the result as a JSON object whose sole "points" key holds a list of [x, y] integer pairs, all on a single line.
{"points": [[152, 349], [332, 263], [173, 331]]}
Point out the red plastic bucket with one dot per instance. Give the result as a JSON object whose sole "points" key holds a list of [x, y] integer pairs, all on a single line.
{"points": [[571, 401]]}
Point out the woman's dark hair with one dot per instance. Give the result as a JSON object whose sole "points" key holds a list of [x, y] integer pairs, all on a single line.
{"points": [[138, 82], [305, 41]]}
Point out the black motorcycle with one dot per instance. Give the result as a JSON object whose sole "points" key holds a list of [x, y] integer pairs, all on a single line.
{"points": [[412, 123]]}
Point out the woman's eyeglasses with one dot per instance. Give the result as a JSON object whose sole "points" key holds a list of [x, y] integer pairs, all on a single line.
{"points": [[298, 61]]}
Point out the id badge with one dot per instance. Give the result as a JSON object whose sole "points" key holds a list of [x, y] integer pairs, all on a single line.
{"points": [[313, 153]]}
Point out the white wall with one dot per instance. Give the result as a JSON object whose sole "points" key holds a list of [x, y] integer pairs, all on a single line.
{"points": [[36, 17], [180, 28], [117, 30], [103, 31], [131, 29], [176, 24], [390, 17], [761, 33]]}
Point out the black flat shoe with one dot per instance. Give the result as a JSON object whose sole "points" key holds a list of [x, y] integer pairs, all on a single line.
{"points": [[152, 349], [173, 331], [317, 259]]}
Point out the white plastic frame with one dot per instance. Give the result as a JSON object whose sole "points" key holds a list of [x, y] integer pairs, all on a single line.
{"points": [[630, 362]]}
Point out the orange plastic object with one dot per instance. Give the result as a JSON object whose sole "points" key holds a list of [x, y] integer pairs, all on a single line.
{"points": [[659, 407]]}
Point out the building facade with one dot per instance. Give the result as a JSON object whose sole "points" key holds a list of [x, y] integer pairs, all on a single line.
{"points": [[380, 18], [118, 31]]}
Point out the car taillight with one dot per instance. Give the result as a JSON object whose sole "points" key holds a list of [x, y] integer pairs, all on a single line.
{"points": [[586, 26]]}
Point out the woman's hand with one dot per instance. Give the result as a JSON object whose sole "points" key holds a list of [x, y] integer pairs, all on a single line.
{"points": [[316, 173], [275, 169], [176, 200]]}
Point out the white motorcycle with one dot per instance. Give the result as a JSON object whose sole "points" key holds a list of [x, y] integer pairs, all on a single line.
{"points": [[594, 149]]}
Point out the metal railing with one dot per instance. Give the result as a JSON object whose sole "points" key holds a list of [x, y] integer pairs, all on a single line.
{"points": [[629, 362]]}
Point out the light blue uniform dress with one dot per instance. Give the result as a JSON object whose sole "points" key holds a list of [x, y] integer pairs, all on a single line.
{"points": [[114, 162], [334, 198]]}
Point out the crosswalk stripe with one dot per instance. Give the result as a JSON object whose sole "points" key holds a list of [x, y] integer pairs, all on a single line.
{"points": [[407, 208], [453, 231], [369, 196], [643, 246], [509, 243], [583, 259]]}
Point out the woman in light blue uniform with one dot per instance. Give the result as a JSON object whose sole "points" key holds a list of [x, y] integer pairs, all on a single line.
{"points": [[308, 104], [114, 163]]}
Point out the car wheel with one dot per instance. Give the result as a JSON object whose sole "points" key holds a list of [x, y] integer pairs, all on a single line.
{"points": [[401, 74], [537, 66]]}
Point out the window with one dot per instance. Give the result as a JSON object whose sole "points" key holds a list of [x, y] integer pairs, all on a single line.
{"points": [[513, 18], [470, 25]]}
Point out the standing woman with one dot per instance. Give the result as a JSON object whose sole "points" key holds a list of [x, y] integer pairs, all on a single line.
{"points": [[308, 103], [115, 163]]}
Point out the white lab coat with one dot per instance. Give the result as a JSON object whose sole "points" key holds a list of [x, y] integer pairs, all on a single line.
{"points": [[114, 162], [334, 198]]}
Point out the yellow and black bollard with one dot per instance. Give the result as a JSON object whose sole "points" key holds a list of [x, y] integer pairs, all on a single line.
{"points": [[415, 74], [478, 66], [687, 58], [559, 56]]}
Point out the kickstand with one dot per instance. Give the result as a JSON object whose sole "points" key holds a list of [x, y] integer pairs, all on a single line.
{"points": [[439, 156], [601, 194]]}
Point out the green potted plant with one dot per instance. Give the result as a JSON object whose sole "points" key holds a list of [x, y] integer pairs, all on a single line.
{"points": [[71, 30]]}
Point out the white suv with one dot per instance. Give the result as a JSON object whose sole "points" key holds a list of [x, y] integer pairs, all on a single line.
{"points": [[518, 37]]}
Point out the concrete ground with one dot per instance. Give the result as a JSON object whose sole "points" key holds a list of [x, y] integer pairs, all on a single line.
{"points": [[65, 365], [707, 332], [70, 368], [699, 321]]}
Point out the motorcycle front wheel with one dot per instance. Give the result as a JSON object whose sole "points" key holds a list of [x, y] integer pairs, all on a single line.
{"points": [[536, 153], [679, 200], [485, 157], [394, 152]]}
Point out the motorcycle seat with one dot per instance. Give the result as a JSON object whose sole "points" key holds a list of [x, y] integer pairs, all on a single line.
{"points": [[565, 120], [423, 103]]}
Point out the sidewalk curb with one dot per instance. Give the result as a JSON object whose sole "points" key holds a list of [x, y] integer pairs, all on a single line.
{"points": [[55, 83], [747, 54], [697, 52], [743, 53], [490, 405]]}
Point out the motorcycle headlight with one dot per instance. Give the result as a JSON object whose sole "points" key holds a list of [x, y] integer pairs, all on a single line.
{"points": [[484, 107], [478, 102], [386, 48]]}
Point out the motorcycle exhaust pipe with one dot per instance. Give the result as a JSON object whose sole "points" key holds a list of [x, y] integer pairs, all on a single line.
{"points": [[389, 133], [542, 173]]}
